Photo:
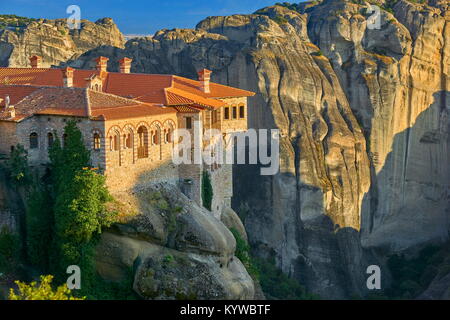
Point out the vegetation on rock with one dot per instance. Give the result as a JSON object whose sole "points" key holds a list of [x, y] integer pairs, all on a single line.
{"points": [[41, 291], [207, 190]]}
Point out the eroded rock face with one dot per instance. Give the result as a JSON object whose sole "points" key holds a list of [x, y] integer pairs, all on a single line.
{"points": [[397, 81], [363, 114], [176, 249], [54, 42]]}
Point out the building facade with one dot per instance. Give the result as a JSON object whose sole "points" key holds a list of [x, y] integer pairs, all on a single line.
{"points": [[129, 122]]}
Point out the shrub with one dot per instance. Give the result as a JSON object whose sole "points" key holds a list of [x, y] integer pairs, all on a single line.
{"points": [[17, 166], [9, 251], [43, 291], [243, 254], [207, 190]]}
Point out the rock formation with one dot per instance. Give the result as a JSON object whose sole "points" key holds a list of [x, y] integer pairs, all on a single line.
{"points": [[176, 249], [55, 42], [362, 106]]}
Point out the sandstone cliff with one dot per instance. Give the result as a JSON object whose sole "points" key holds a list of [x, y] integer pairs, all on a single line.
{"points": [[55, 42], [364, 116], [176, 249]]}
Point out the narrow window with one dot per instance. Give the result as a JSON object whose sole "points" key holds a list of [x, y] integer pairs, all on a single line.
{"points": [[50, 139], [234, 112], [64, 139], [116, 142], [34, 143], [188, 122], [129, 141], [241, 112], [169, 136], [143, 142], [227, 113], [156, 134], [96, 141]]}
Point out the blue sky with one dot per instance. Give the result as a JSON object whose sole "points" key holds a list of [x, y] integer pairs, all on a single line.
{"points": [[136, 16]]}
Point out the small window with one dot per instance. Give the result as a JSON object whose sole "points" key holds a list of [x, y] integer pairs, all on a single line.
{"points": [[64, 139], [129, 141], [34, 143], [188, 122], [227, 113], [169, 136], [241, 112], [50, 139], [116, 142], [234, 112], [96, 141], [155, 137]]}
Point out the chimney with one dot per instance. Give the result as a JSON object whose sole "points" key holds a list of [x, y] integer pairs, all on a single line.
{"points": [[68, 77], [7, 101], [35, 61], [102, 64], [11, 112], [204, 76], [125, 65]]}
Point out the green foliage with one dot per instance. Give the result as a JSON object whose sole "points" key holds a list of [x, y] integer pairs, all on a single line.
{"points": [[41, 291], [70, 158], [412, 276], [18, 168], [207, 190], [243, 254], [277, 285], [9, 251], [80, 208], [13, 21], [170, 212], [39, 217], [280, 20]]}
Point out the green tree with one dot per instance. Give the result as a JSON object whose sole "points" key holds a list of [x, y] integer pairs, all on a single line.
{"points": [[39, 226], [41, 291], [207, 190], [18, 166]]}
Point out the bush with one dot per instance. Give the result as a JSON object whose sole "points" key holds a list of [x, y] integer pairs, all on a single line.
{"points": [[277, 285], [243, 254], [9, 251], [207, 190], [39, 225], [43, 291], [18, 168]]}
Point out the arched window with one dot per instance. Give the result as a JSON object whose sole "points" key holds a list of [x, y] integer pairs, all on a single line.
{"points": [[50, 139], [34, 142], [129, 141], [116, 142], [156, 137], [168, 135], [97, 144], [234, 112], [143, 142]]}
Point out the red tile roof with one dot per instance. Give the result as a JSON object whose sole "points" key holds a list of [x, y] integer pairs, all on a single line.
{"points": [[120, 89], [78, 102]]}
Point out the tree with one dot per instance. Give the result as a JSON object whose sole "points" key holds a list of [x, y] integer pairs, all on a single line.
{"points": [[80, 208], [43, 291], [18, 166], [207, 190]]}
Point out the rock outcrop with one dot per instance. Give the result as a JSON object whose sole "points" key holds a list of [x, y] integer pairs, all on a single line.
{"points": [[176, 249], [363, 113], [362, 106], [55, 42]]}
